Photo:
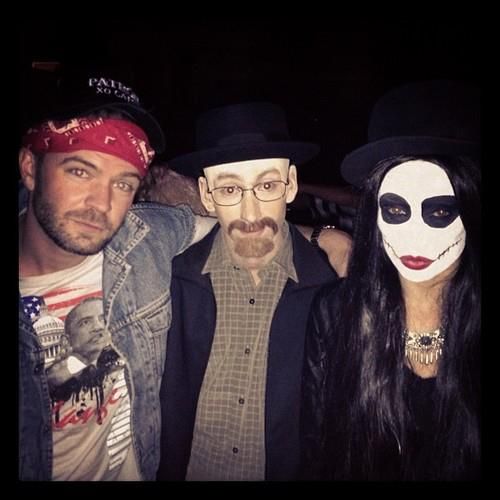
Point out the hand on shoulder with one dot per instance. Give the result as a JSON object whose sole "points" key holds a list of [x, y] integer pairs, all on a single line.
{"points": [[334, 242], [337, 245]]}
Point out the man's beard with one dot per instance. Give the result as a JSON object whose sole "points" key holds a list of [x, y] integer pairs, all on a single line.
{"points": [[253, 247], [53, 226]]}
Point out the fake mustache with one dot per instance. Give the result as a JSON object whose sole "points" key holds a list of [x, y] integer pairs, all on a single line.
{"points": [[252, 227]]}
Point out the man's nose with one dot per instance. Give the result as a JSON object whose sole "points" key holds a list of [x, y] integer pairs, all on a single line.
{"points": [[100, 197], [250, 206]]}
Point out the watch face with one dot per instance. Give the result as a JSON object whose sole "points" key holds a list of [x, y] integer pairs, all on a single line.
{"points": [[418, 218]]}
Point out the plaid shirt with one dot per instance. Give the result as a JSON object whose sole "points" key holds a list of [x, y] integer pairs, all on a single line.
{"points": [[228, 440]]}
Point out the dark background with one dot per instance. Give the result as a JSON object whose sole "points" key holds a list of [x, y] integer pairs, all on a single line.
{"points": [[326, 73]]}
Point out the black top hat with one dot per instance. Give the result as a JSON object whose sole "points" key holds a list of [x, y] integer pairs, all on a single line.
{"points": [[240, 132], [82, 92], [436, 117]]}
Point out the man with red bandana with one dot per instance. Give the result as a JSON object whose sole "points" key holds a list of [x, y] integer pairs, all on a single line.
{"points": [[240, 301], [84, 248]]}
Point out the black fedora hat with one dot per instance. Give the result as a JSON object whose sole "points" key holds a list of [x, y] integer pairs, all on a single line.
{"points": [[434, 117], [85, 90], [240, 132]]}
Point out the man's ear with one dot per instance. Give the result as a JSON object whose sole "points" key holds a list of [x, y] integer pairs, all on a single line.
{"points": [[27, 168], [205, 196], [292, 187]]}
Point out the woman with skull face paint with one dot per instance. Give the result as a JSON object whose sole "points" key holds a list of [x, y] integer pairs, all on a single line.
{"points": [[391, 385]]}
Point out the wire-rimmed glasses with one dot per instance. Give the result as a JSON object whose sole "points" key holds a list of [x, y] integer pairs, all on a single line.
{"points": [[227, 196]]}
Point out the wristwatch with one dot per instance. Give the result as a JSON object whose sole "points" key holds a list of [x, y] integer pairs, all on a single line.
{"points": [[317, 231]]}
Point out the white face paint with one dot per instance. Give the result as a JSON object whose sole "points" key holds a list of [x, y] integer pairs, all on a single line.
{"points": [[418, 217]]}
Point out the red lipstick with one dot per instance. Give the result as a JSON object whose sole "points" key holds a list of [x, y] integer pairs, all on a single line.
{"points": [[416, 263]]}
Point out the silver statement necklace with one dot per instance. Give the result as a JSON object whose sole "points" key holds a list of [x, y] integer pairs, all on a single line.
{"points": [[425, 347]]}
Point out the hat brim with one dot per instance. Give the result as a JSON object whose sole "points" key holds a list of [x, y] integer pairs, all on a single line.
{"points": [[139, 115], [192, 164], [357, 165]]}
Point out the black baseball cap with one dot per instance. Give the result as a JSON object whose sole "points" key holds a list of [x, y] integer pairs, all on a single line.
{"points": [[78, 93]]}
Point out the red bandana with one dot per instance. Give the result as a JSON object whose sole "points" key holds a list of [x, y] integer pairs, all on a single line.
{"points": [[119, 138]]}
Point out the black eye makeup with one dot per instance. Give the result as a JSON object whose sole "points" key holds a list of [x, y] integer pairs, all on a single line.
{"points": [[439, 211], [394, 208]]}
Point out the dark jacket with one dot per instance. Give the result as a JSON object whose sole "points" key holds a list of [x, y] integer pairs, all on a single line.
{"points": [[327, 411], [189, 343], [136, 295]]}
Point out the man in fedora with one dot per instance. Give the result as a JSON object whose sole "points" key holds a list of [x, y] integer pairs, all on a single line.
{"points": [[240, 301]]}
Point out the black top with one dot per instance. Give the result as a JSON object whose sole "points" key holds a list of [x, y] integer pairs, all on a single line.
{"points": [[421, 402], [414, 452]]}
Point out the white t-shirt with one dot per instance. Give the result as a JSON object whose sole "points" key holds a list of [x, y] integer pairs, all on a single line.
{"points": [[91, 411]]}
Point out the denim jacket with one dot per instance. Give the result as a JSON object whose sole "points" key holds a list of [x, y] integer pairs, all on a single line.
{"points": [[136, 293]]}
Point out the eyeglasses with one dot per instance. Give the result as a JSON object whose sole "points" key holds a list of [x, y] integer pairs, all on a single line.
{"points": [[227, 196]]}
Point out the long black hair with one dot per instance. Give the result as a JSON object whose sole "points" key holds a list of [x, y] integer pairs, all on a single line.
{"points": [[367, 381]]}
